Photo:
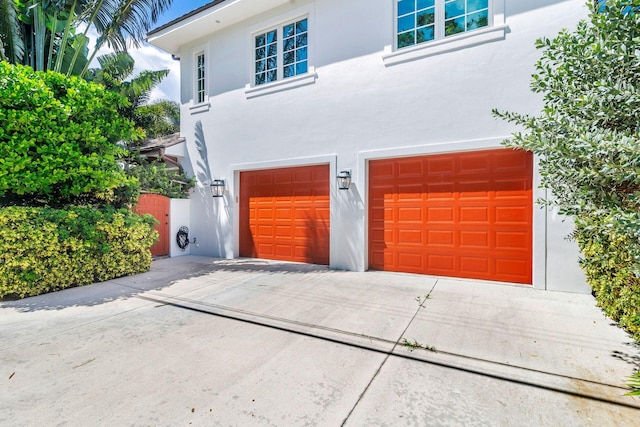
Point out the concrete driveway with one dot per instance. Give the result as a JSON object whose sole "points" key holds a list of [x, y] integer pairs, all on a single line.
{"points": [[201, 341]]}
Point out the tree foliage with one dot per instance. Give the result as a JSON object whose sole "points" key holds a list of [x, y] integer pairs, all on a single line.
{"points": [[588, 140], [45, 33], [155, 178], [159, 118], [116, 74], [58, 141]]}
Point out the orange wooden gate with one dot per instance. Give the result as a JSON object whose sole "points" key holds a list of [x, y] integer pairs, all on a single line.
{"points": [[284, 214], [461, 215], [159, 207]]}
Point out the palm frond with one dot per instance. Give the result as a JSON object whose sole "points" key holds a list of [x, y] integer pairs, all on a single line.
{"points": [[131, 20], [11, 36], [138, 90]]}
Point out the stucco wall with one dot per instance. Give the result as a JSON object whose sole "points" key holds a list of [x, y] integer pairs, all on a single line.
{"points": [[180, 217], [358, 107]]}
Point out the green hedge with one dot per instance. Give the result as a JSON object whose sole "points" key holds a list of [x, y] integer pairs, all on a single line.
{"points": [[44, 250], [611, 258]]}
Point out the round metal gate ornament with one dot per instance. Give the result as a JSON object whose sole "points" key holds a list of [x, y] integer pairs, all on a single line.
{"points": [[182, 238]]}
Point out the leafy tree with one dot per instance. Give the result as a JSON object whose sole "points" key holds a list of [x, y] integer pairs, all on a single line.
{"points": [[159, 118], [155, 178], [588, 140], [58, 141]]}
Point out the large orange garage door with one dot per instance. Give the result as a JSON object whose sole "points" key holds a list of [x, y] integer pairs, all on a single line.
{"points": [[284, 214], [461, 215]]}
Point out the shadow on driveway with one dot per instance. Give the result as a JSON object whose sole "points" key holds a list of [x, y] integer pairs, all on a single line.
{"points": [[163, 273]]}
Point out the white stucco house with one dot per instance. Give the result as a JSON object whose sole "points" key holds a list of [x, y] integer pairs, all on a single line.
{"points": [[282, 98]]}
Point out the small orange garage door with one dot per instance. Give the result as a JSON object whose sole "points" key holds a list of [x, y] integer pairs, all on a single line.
{"points": [[284, 214], [461, 215]]}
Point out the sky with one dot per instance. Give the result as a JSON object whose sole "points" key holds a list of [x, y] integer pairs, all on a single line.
{"points": [[148, 57]]}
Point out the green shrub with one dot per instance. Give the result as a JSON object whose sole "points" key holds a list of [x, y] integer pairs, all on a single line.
{"points": [[45, 250], [611, 254]]}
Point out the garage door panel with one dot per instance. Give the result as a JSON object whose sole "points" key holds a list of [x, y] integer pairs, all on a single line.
{"points": [[284, 214], [440, 165], [440, 263], [440, 190], [513, 240], [511, 161], [285, 251], [265, 248], [513, 214], [511, 267], [410, 214], [475, 163], [410, 237], [474, 214], [474, 265], [472, 217], [410, 168], [265, 179], [510, 187], [440, 214], [409, 192], [410, 260], [440, 238], [475, 239]]}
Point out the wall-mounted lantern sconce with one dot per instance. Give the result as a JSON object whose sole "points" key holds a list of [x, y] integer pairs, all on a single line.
{"points": [[344, 179], [217, 188]]}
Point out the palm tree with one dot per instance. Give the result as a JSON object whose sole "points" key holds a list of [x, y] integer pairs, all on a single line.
{"points": [[120, 21], [42, 33], [115, 69]]}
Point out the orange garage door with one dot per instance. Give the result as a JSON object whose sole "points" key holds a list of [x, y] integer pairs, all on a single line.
{"points": [[461, 215], [284, 214]]}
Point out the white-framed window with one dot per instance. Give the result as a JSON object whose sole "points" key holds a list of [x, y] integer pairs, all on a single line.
{"points": [[200, 77], [281, 52], [423, 21]]}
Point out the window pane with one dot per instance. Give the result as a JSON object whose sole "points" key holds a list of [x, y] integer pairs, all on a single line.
{"points": [[289, 58], [454, 9], [454, 26], [260, 53], [425, 18], [406, 23], [289, 71], [272, 76], [272, 36], [272, 63], [406, 6], [425, 34], [301, 26], [406, 39], [273, 50], [260, 40], [289, 44], [260, 78], [301, 40], [260, 66], [301, 67], [287, 31], [475, 5], [422, 4], [478, 20], [301, 54]]}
